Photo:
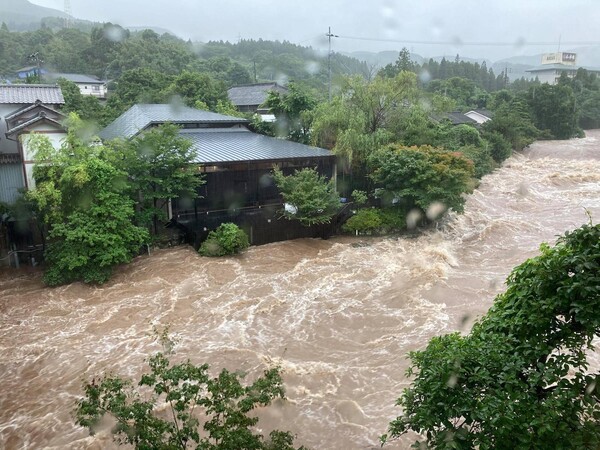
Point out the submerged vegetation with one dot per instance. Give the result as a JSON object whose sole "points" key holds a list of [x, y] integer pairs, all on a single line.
{"points": [[204, 412]]}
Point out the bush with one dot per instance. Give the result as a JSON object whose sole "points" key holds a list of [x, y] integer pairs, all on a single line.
{"points": [[392, 219], [359, 197], [364, 221], [500, 148], [228, 239], [482, 160]]}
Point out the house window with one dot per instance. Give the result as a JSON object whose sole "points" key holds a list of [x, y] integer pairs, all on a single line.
{"points": [[96, 88]]}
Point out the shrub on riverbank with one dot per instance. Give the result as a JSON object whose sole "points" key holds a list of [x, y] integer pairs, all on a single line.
{"points": [[227, 239]]}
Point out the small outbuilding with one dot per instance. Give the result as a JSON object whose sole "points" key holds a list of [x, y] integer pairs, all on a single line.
{"points": [[252, 97]]}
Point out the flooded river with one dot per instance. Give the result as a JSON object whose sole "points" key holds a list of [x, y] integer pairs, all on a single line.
{"points": [[338, 317]]}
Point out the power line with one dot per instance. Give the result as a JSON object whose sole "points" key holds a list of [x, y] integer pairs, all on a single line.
{"points": [[518, 43]]}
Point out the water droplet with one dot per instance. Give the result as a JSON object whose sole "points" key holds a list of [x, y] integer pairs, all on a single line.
{"points": [[523, 189], [176, 103], [590, 388], [452, 380], [312, 67], [436, 28], [457, 42], [266, 180], [413, 218], [520, 43], [114, 33], [281, 79], [435, 210]]}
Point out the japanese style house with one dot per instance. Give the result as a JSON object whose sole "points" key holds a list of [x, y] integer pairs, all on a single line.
{"points": [[236, 164]]}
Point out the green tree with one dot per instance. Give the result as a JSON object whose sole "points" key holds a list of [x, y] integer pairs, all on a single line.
{"points": [[553, 109], [194, 87], [521, 378], [142, 85], [513, 121], [82, 197], [223, 404], [85, 106], [366, 220], [311, 198], [364, 117], [292, 111], [421, 176], [403, 63], [590, 110], [160, 166]]}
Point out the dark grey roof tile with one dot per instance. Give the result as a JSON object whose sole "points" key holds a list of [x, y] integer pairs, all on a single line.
{"points": [[140, 117], [212, 146], [253, 94], [29, 93]]}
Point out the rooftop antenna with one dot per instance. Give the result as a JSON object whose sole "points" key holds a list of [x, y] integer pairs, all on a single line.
{"points": [[329, 36], [68, 13]]}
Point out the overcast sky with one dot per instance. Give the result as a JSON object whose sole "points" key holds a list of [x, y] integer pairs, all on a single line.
{"points": [[376, 22]]}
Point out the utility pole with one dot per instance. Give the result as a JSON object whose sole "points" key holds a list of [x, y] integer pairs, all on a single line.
{"points": [[68, 13], [329, 36], [35, 57]]}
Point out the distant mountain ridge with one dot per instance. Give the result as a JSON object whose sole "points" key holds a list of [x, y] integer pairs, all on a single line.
{"points": [[22, 14]]}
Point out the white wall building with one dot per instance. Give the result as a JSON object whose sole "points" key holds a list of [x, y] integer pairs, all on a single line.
{"points": [[87, 85], [555, 64]]}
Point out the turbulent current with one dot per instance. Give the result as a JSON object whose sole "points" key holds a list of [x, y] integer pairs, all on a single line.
{"points": [[339, 316]]}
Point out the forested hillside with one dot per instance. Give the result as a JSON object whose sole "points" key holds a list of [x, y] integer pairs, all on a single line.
{"points": [[110, 50]]}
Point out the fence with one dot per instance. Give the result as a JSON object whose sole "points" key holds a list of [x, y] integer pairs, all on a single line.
{"points": [[263, 224]]}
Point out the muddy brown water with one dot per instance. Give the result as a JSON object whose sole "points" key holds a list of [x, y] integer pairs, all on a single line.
{"points": [[338, 317]]}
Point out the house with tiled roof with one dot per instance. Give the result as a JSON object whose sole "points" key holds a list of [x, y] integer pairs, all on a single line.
{"points": [[25, 109], [236, 164], [454, 118], [251, 97]]}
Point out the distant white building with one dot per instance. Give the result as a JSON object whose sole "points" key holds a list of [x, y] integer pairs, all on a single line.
{"points": [[87, 85], [555, 64], [479, 115]]}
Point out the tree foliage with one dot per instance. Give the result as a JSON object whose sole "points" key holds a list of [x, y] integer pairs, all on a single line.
{"points": [[521, 377], [363, 118], [82, 198], [512, 119], [87, 107], [293, 112], [159, 163], [311, 198], [421, 176], [553, 109], [204, 412]]}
